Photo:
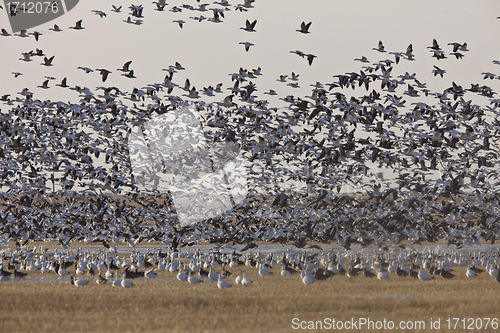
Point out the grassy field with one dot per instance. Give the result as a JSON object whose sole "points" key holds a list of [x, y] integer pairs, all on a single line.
{"points": [[269, 304]]}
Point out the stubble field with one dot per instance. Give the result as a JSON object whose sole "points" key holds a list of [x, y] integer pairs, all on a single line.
{"points": [[269, 304]]}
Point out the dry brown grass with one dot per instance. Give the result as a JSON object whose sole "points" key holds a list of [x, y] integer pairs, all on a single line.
{"points": [[164, 304]]}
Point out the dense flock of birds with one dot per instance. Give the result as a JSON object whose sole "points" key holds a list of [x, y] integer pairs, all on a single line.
{"points": [[66, 174], [108, 267]]}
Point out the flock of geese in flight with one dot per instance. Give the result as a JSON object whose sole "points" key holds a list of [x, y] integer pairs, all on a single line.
{"points": [[66, 176]]}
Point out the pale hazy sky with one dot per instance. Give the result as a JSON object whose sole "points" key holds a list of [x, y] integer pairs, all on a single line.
{"points": [[340, 32]]}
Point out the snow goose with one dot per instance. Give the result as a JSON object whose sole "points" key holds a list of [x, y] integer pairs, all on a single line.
{"points": [[61, 271], [192, 279], [285, 271], [382, 274], [222, 283], [470, 272], [233, 263], [393, 267], [130, 74], [380, 47], [100, 279], [181, 276], [245, 280], [493, 271], [117, 282], [211, 275], [36, 34], [63, 83], [150, 273], [179, 22], [125, 67], [26, 56], [310, 58], [174, 265], [423, 276], [47, 61], [238, 279], [304, 28], [249, 26], [44, 269], [45, 85], [307, 276], [78, 282], [78, 25], [247, 45], [124, 282], [79, 269], [109, 274], [56, 28], [362, 59], [264, 270], [22, 33]]}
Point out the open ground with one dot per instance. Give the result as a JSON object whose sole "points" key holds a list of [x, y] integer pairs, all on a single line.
{"points": [[269, 304]]}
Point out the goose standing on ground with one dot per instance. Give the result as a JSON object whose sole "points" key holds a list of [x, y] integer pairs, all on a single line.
{"points": [[470, 272], [181, 276], [100, 279], [150, 273], [126, 283], [264, 270], [222, 283], [285, 271], [382, 274], [117, 282], [307, 276], [244, 279], [211, 275], [78, 282], [423, 276], [59, 270], [192, 279], [493, 271], [79, 269]]}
